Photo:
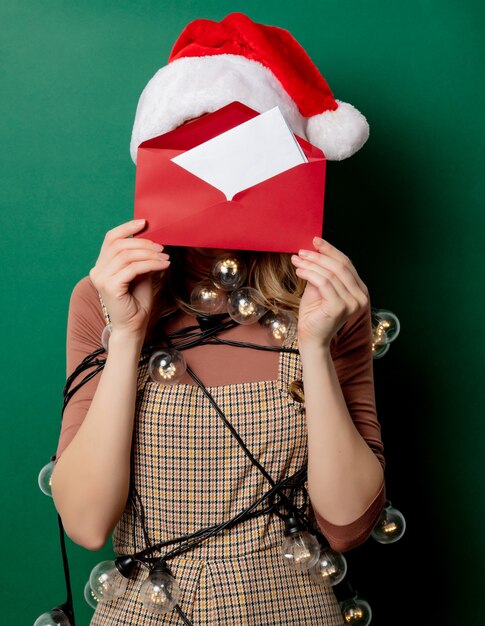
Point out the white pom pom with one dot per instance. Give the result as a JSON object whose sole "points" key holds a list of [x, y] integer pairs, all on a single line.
{"points": [[340, 133]]}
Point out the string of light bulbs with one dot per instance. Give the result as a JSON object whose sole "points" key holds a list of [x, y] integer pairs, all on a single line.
{"points": [[222, 303]]}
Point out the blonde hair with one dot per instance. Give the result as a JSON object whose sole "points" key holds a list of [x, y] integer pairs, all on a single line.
{"points": [[272, 274]]}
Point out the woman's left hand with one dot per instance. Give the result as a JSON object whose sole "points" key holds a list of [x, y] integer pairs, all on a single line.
{"points": [[334, 292]]}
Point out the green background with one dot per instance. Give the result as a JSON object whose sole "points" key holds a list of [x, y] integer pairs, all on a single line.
{"points": [[408, 209]]}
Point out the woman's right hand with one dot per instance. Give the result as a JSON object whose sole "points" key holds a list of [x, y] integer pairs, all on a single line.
{"points": [[122, 277]]}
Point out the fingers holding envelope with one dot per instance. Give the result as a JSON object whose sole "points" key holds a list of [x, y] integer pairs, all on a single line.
{"points": [[122, 275], [334, 291]]}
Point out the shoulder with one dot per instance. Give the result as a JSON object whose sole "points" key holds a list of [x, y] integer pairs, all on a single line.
{"points": [[85, 289], [85, 304]]}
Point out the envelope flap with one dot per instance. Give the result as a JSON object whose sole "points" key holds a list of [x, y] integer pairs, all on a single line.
{"points": [[205, 128], [191, 135]]}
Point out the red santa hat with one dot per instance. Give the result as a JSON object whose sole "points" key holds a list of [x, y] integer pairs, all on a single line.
{"points": [[215, 63]]}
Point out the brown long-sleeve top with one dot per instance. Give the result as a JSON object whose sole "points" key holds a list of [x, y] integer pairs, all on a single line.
{"points": [[223, 365]]}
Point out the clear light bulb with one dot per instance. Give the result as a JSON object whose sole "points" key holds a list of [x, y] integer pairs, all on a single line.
{"points": [[280, 327], [91, 598], [106, 581], [330, 568], [356, 611], [44, 478], [300, 549], [167, 366], [208, 298], [56, 617], [228, 272], [390, 526], [105, 335], [379, 350], [385, 326], [245, 305], [160, 592]]}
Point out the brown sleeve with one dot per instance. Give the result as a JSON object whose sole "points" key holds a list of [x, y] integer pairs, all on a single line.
{"points": [[84, 327], [352, 357]]}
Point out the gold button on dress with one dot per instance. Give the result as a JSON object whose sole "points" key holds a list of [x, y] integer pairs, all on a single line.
{"points": [[296, 390]]}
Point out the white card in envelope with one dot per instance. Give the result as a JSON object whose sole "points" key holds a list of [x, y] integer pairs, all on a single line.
{"points": [[245, 155]]}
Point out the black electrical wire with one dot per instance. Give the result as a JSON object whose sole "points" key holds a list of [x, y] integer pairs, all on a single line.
{"points": [[241, 517], [135, 496], [300, 474], [191, 336], [85, 362], [140, 516], [88, 362], [184, 617], [253, 346], [68, 606], [233, 431]]}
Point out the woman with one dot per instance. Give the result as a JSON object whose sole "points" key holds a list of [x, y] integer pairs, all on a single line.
{"points": [[169, 469], [91, 480]]}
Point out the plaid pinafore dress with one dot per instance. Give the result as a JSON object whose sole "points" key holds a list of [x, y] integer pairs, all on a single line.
{"points": [[191, 474]]}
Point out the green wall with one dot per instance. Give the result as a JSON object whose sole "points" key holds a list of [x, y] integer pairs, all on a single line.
{"points": [[408, 209]]}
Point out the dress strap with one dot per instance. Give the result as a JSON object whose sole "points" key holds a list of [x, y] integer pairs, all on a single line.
{"points": [[291, 372], [107, 319]]}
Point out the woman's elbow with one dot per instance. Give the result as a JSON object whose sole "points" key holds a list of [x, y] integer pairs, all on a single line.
{"points": [[343, 538], [85, 537], [82, 531]]}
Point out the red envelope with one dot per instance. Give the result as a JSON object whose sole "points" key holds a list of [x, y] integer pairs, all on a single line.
{"points": [[280, 214]]}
